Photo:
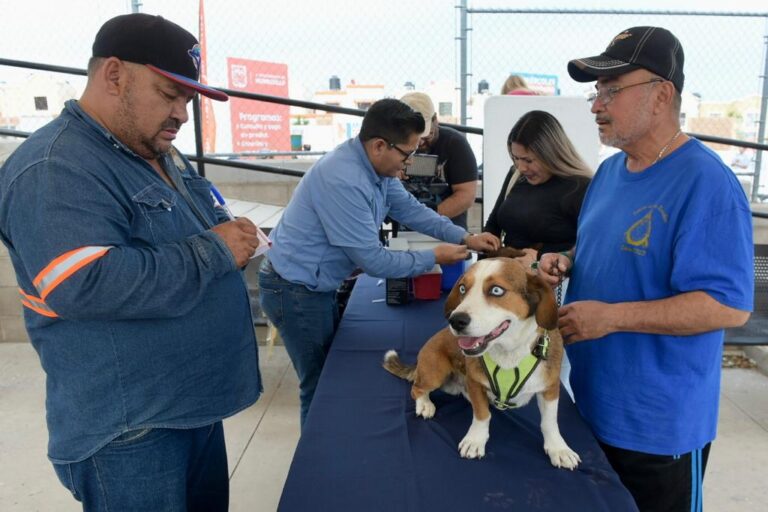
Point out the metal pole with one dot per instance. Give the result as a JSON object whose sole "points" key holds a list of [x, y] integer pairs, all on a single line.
{"points": [[463, 35], [198, 135], [761, 124], [135, 6]]}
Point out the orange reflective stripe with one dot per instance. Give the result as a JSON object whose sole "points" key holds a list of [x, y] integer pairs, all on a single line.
{"points": [[30, 297], [36, 305], [41, 311], [64, 266], [52, 265]]}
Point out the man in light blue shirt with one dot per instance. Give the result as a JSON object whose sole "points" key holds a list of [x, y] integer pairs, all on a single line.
{"points": [[330, 228]]}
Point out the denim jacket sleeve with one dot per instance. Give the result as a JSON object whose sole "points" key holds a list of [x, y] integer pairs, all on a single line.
{"points": [[53, 207]]}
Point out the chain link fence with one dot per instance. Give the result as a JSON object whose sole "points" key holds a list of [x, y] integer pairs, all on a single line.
{"points": [[724, 59], [376, 50]]}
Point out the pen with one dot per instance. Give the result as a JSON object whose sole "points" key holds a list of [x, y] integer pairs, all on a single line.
{"points": [[219, 199], [265, 242]]}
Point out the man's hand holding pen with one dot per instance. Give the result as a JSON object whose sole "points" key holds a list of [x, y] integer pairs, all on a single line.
{"points": [[241, 237]]}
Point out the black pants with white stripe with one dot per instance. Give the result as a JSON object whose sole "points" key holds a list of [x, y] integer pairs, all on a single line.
{"points": [[661, 483]]}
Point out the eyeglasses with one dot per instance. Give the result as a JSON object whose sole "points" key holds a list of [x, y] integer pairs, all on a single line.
{"points": [[406, 155], [606, 95]]}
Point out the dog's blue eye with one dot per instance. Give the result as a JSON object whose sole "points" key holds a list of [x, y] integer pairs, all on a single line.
{"points": [[462, 289], [497, 291]]}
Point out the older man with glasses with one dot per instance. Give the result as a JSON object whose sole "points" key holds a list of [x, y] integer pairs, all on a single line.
{"points": [[662, 264], [330, 228]]}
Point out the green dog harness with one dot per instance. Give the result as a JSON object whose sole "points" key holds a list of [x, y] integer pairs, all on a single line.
{"points": [[508, 383]]}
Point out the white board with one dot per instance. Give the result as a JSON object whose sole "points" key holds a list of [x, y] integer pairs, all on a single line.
{"points": [[501, 114]]}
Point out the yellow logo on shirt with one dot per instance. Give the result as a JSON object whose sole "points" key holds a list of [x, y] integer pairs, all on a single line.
{"points": [[638, 237]]}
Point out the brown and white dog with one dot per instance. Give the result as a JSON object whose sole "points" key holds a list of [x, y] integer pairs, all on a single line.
{"points": [[499, 311]]}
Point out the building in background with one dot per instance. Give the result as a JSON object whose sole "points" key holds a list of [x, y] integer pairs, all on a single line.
{"points": [[30, 103], [741, 114], [318, 130]]}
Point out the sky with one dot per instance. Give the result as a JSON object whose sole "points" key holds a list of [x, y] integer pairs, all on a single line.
{"points": [[391, 42]]}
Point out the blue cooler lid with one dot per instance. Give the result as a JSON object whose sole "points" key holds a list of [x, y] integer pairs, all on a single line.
{"points": [[451, 274]]}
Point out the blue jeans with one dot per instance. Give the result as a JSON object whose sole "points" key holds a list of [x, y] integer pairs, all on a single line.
{"points": [[306, 321], [158, 470]]}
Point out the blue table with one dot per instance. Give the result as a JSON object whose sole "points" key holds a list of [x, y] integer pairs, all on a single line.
{"points": [[364, 449]]}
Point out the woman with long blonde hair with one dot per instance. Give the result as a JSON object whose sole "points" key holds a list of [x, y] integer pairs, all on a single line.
{"points": [[539, 202]]}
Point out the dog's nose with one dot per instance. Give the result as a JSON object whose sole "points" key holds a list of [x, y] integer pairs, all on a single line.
{"points": [[459, 321]]}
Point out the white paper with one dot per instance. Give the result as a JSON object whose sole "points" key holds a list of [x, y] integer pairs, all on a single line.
{"points": [[264, 243]]}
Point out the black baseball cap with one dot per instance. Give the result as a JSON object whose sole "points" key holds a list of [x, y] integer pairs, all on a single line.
{"points": [[653, 48], [163, 46]]}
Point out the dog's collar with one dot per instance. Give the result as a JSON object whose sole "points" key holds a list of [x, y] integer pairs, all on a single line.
{"points": [[506, 384]]}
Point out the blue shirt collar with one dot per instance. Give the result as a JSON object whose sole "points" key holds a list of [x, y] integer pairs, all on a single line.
{"points": [[359, 148], [74, 108], [166, 160]]}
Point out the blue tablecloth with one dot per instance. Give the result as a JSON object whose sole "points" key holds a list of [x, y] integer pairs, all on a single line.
{"points": [[364, 449]]}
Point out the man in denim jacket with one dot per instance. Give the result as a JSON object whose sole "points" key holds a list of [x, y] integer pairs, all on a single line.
{"points": [[130, 281]]}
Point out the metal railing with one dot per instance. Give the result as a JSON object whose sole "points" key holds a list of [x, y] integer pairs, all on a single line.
{"points": [[201, 159]]}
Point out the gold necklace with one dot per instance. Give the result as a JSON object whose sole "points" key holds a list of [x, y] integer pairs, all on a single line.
{"points": [[666, 146]]}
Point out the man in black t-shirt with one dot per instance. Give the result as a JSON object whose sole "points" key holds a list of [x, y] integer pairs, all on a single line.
{"points": [[456, 162]]}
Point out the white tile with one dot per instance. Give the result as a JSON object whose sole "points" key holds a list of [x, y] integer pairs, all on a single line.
{"points": [[734, 480], [29, 483], [239, 429], [259, 477]]}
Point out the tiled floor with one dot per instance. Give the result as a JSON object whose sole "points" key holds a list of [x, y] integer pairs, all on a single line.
{"points": [[261, 440]]}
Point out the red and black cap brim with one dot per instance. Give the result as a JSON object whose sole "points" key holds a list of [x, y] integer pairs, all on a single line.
{"points": [[590, 69], [192, 84]]}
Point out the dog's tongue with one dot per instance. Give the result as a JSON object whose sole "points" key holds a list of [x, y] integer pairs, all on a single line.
{"points": [[467, 343], [497, 331]]}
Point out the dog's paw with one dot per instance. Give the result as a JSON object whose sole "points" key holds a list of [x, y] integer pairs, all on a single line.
{"points": [[472, 447], [564, 458], [424, 407], [473, 444]]}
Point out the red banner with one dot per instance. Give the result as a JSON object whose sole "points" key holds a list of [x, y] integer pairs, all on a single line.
{"points": [[206, 105], [257, 125]]}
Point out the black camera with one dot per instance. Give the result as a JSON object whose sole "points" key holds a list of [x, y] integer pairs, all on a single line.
{"points": [[425, 181]]}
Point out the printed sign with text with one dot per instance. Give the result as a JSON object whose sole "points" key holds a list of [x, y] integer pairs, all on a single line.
{"points": [[257, 125]]}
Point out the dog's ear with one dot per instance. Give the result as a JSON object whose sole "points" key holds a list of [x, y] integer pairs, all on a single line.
{"points": [[454, 299], [541, 301]]}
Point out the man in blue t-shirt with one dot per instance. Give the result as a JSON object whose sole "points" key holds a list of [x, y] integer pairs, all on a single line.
{"points": [[662, 264]]}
